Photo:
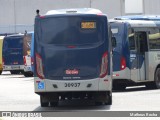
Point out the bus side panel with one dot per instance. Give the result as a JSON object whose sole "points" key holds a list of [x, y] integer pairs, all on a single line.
{"points": [[153, 60], [121, 51]]}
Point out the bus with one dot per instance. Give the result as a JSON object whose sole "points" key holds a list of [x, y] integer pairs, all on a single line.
{"points": [[136, 57], [28, 38], [139, 17], [1, 43], [73, 56], [12, 53]]}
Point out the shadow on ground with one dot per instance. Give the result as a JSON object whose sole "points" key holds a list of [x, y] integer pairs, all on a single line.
{"points": [[74, 105]]}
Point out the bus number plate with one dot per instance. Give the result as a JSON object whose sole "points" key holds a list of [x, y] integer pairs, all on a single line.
{"points": [[71, 84]]}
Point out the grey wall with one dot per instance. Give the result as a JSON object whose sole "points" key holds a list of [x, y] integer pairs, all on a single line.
{"points": [[18, 15], [23, 11], [152, 7]]}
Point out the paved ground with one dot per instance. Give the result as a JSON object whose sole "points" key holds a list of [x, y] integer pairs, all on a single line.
{"points": [[17, 94]]}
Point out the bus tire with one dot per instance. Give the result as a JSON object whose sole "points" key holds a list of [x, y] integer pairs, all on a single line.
{"points": [[28, 74], [119, 87], [53, 104], [157, 79], [12, 72], [98, 103], [0, 72], [43, 101], [109, 100]]}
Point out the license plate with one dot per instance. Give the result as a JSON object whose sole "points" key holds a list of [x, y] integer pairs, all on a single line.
{"points": [[72, 84], [15, 67]]}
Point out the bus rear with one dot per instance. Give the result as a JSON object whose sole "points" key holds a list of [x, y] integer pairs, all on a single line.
{"points": [[13, 54], [72, 58]]}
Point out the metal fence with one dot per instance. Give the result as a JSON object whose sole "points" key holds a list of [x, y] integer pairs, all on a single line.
{"points": [[15, 28]]}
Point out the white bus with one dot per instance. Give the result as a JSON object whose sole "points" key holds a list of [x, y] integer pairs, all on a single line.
{"points": [[136, 57]]}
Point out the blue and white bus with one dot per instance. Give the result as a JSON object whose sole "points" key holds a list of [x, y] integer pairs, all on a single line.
{"points": [[73, 56], [136, 58], [139, 17], [12, 53]]}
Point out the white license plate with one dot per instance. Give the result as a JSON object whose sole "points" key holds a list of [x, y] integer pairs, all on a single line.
{"points": [[72, 84], [15, 67]]}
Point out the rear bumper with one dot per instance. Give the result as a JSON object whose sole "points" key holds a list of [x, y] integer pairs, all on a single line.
{"points": [[13, 67], [98, 84]]}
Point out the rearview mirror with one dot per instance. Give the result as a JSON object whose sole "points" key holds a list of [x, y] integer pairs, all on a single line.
{"points": [[114, 43]]}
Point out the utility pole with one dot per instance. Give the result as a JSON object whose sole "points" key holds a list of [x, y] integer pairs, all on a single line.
{"points": [[14, 16], [90, 3]]}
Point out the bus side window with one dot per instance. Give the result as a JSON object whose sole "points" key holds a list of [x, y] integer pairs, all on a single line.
{"points": [[143, 42], [131, 39], [154, 39]]}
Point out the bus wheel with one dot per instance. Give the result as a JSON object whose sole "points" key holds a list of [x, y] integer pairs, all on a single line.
{"points": [[98, 103], [12, 72], [0, 72], [109, 100], [43, 101], [119, 87], [54, 104], [157, 79], [28, 74]]}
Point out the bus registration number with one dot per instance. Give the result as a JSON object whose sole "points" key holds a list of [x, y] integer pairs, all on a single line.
{"points": [[71, 84]]}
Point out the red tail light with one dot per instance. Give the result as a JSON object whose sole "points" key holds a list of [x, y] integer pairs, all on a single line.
{"points": [[3, 61], [32, 60], [39, 66], [24, 59], [104, 65], [123, 63]]}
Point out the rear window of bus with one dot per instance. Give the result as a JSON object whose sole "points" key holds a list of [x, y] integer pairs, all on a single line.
{"points": [[10, 42], [72, 30]]}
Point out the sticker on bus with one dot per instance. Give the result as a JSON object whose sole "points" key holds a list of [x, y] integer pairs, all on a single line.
{"points": [[41, 85]]}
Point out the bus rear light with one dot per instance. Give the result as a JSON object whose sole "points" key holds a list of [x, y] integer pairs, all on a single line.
{"points": [[104, 65], [123, 63], [42, 17], [24, 59], [39, 66]]}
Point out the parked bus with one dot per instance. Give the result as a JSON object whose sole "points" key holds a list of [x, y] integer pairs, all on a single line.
{"points": [[28, 38], [139, 17], [73, 56], [136, 58], [13, 54], [1, 43]]}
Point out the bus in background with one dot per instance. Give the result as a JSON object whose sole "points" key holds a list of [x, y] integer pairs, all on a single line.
{"points": [[1, 43], [12, 53], [136, 58], [139, 17], [73, 56], [28, 38]]}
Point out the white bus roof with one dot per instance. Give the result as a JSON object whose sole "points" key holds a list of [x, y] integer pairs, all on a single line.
{"points": [[136, 23], [74, 11]]}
